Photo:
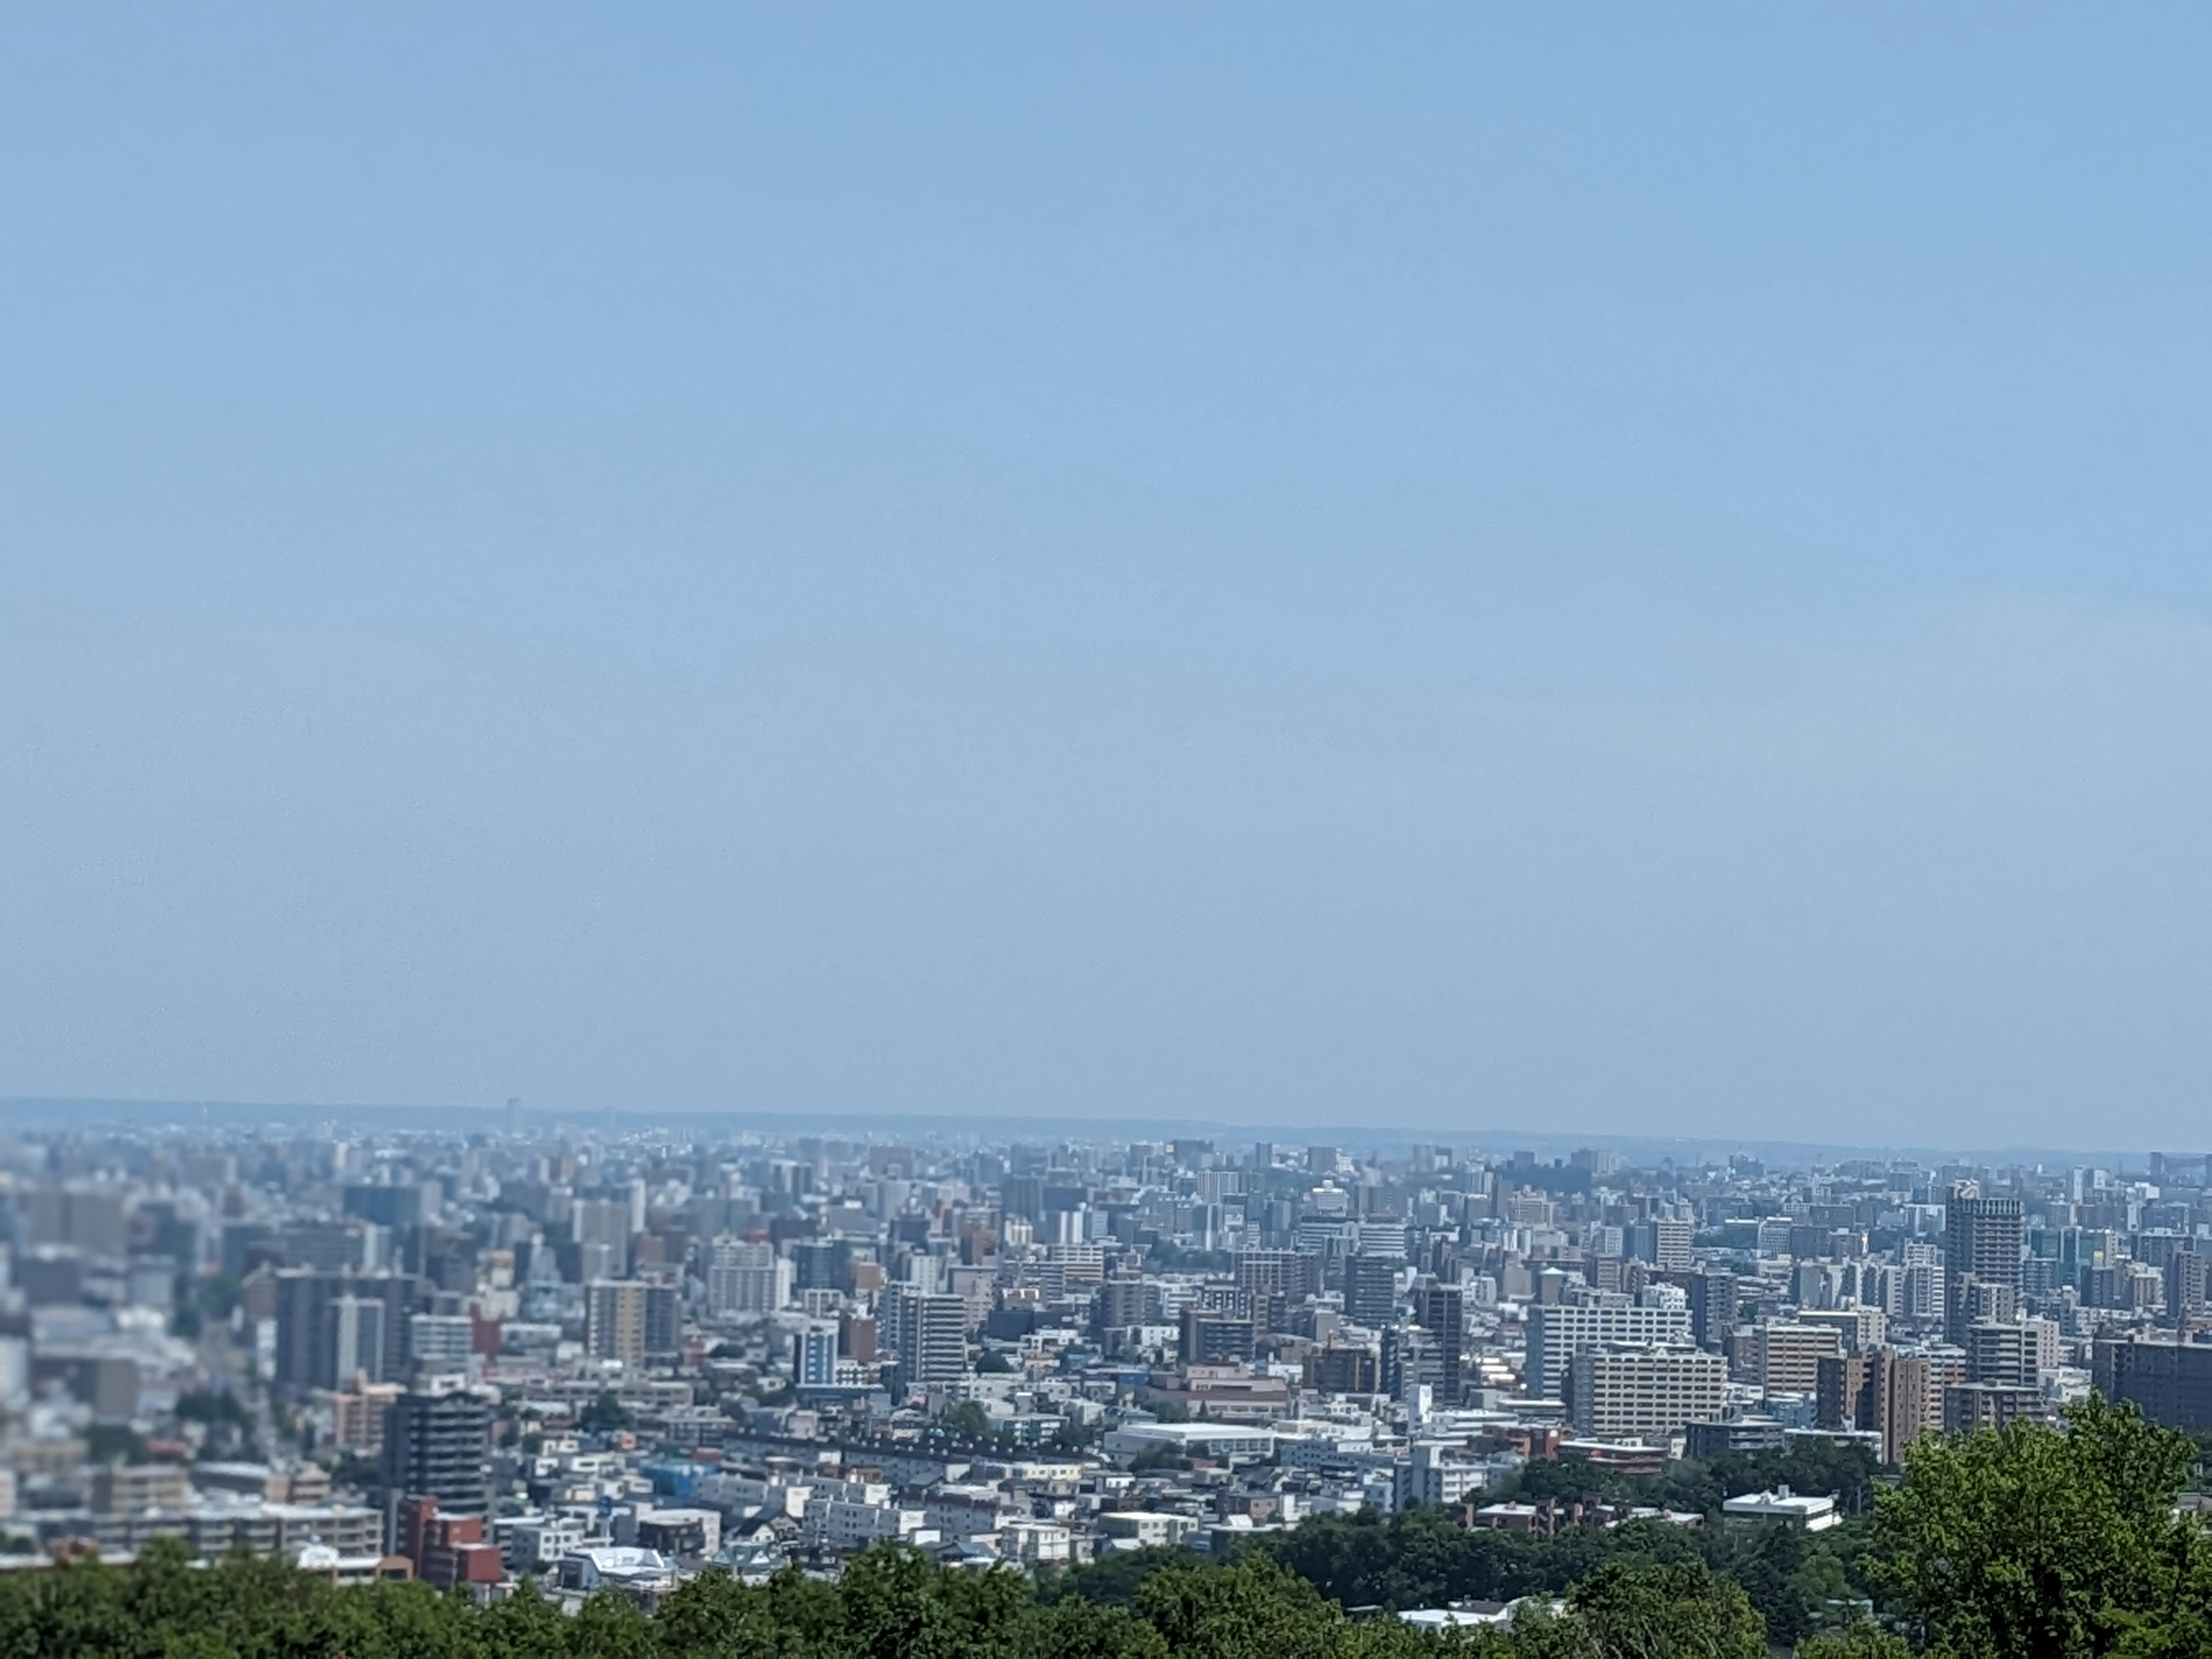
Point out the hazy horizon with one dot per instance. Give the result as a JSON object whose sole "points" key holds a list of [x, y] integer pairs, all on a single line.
{"points": [[1628, 569]]}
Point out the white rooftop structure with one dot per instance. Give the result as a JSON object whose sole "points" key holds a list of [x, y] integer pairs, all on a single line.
{"points": [[1796, 1509]]}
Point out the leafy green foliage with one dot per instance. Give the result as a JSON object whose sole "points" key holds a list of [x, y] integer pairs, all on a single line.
{"points": [[2034, 1540], [1425, 1558], [1698, 1487], [966, 1421], [1636, 1609], [604, 1414], [890, 1604]]}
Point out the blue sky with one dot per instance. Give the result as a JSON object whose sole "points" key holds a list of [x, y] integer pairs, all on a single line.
{"points": [[1635, 568]]}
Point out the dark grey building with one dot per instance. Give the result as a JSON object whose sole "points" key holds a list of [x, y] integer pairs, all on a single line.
{"points": [[434, 1446], [2171, 1380], [1370, 1288], [1982, 1249], [1441, 1310]]}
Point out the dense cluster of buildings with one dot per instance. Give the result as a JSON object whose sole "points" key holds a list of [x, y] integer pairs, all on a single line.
{"points": [[607, 1360]]}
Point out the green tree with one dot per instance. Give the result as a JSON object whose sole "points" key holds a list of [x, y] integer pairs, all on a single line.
{"points": [[1861, 1642], [604, 1414], [1253, 1610], [2034, 1541], [966, 1421], [1646, 1610]]}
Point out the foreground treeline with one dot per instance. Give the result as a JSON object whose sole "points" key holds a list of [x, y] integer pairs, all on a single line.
{"points": [[2033, 1544]]}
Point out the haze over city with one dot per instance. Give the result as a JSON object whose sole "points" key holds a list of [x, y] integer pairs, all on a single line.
{"points": [[1628, 572]]}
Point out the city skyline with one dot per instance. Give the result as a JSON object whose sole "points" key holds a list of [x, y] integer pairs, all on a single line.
{"points": [[43, 1115]]}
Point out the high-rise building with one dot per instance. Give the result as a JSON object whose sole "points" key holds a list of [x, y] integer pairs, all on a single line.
{"points": [[603, 1234], [2187, 1282], [1712, 1309], [1970, 1406], [926, 1333], [1982, 1247], [434, 1446], [1671, 1238], [1557, 1331], [1343, 1370], [630, 1321], [2171, 1380], [357, 1340], [91, 1219], [747, 1278], [1898, 1394], [1441, 1310], [306, 1350], [1214, 1336], [1120, 1304], [1842, 1387], [1277, 1280], [2011, 1355], [814, 1355], [1788, 1355], [441, 1342], [396, 1206], [1370, 1288], [1618, 1391], [821, 1264]]}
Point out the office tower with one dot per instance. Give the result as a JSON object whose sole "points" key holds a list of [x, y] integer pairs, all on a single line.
{"points": [[305, 1350], [356, 1340], [1858, 1325], [397, 1206], [602, 1229], [747, 1279], [926, 1333], [434, 1446], [2186, 1283], [1911, 1402], [1370, 1288], [1214, 1336], [92, 1219], [614, 1321], [1899, 1395], [1344, 1370], [1968, 1406], [1844, 1389], [1557, 1331], [2171, 1380], [1119, 1304], [1410, 1363], [821, 1264], [1277, 1280], [440, 1342], [1789, 1355], [1712, 1309], [1672, 1237], [1441, 1310], [1982, 1244], [814, 1355], [1620, 1390], [2010, 1354], [630, 1321]]}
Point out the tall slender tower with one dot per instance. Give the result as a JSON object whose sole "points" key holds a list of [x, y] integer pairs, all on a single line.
{"points": [[1982, 1241]]}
